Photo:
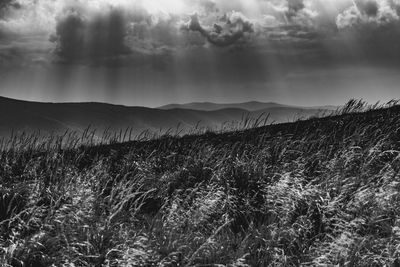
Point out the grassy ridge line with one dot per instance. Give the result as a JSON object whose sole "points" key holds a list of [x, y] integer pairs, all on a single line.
{"points": [[334, 124]]}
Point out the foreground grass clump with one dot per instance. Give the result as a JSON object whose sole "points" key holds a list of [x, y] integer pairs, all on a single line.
{"points": [[322, 192]]}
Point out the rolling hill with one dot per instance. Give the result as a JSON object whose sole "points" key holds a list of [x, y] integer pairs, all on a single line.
{"points": [[249, 106], [24, 116], [209, 106]]}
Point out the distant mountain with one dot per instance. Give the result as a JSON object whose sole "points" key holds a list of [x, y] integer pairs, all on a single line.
{"points": [[24, 116], [249, 106], [327, 107], [209, 106]]}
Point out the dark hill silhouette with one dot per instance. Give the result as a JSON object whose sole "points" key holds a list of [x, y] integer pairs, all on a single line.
{"points": [[249, 106], [208, 106], [24, 116]]}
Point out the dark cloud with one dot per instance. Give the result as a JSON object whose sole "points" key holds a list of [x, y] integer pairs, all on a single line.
{"points": [[128, 34], [9, 3], [395, 5], [81, 35], [114, 36], [369, 7], [11, 56], [294, 6], [5, 6], [231, 28], [371, 13], [208, 6], [23, 52], [373, 27], [156, 33], [297, 12]]}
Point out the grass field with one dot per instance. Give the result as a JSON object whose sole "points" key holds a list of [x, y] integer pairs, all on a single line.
{"points": [[320, 192]]}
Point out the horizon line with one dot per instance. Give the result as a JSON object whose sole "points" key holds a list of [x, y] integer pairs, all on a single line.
{"points": [[165, 105]]}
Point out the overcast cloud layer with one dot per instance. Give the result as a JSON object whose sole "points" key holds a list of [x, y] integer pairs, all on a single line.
{"points": [[253, 39]]}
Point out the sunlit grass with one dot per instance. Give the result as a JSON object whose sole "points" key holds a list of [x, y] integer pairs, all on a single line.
{"points": [[320, 192]]}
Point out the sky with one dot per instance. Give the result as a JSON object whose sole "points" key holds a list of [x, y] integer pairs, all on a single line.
{"points": [[156, 52]]}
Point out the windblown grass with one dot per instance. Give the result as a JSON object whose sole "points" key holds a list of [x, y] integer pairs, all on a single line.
{"points": [[321, 192]]}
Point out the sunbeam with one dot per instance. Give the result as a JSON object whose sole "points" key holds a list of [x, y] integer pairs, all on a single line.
{"points": [[200, 49]]}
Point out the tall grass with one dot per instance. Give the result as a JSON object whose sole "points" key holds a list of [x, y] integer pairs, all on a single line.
{"points": [[320, 192]]}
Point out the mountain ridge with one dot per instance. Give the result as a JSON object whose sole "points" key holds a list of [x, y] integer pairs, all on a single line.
{"points": [[249, 106], [48, 118]]}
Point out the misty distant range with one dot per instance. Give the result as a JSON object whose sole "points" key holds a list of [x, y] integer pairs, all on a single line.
{"points": [[18, 116]]}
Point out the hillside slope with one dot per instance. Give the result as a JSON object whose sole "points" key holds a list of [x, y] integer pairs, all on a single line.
{"points": [[22, 116], [321, 192]]}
